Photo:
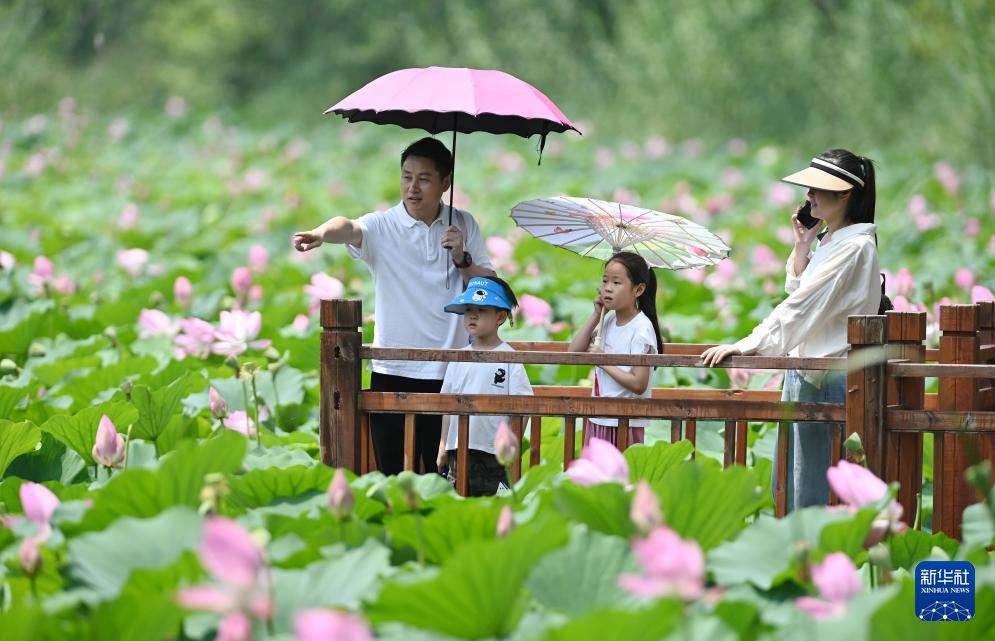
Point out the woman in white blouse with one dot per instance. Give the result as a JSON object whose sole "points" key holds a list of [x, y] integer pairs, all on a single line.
{"points": [[839, 279]]}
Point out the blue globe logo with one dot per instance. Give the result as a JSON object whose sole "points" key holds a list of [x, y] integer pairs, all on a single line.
{"points": [[945, 611]]}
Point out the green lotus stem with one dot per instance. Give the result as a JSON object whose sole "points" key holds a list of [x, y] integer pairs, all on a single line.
{"points": [[276, 392], [255, 404], [421, 539], [917, 523], [127, 446], [511, 485]]}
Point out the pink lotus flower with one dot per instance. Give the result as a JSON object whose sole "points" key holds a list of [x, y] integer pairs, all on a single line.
{"points": [[947, 176], [731, 177], [128, 217], [132, 261], [964, 278], [671, 566], [780, 195], [765, 261], [234, 627], [43, 272], [599, 462], [196, 340], [154, 322], [536, 311], [241, 281], [857, 487], [499, 247], [325, 625], [217, 403], [505, 522], [109, 450], [301, 323], [505, 445], [64, 285], [656, 147], [645, 509], [239, 421], [979, 294], [38, 503], [7, 261], [258, 258], [918, 206], [724, 275], [837, 581], [182, 291], [972, 227], [29, 556], [255, 294], [237, 332], [235, 562], [340, 497], [904, 283], [323, 287]]}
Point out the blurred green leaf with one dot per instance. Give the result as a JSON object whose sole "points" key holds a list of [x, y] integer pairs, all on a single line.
{"points": [[16, 439]]}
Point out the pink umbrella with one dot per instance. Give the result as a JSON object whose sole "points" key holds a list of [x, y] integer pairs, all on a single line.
{"points": [[439, 99]]}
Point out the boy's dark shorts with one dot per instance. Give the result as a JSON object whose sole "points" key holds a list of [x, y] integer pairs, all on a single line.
{"points": [[486, 474]]}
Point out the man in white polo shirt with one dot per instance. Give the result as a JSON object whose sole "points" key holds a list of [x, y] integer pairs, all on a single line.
{"points": [[414, 277]]}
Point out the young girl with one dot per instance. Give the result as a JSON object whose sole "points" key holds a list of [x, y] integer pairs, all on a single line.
{"points": [[628, 294]]}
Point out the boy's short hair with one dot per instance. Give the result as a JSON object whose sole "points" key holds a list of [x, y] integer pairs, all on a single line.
{"points": [[435, 151], [507, 290]]}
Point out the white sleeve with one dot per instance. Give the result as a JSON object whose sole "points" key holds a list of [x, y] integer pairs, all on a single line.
{"points": [[371, 225], [518, 382], [794, 319], [644, 340], [474, 243], [792, 280]]}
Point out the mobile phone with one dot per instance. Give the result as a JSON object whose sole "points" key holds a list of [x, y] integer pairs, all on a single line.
{"points": [[805, 216]]}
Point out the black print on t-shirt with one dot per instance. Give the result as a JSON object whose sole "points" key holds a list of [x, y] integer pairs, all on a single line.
{"points": [[499, 376]]}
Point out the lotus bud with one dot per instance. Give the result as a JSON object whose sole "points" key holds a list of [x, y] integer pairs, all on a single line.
{"points": [[340, 498], [645, 510], [232, 362], [219, 407], [126, 388], [30, 557], [37, 350], [505, 445], [505, 522], [156, 298], [272, 354], [109, 449], [249, 370]]}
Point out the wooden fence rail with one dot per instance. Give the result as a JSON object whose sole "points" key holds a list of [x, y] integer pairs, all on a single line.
{"points": [[886, 402]]}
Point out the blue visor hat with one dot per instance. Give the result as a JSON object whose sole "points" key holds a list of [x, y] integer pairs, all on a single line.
{"points": [[483, 292]]}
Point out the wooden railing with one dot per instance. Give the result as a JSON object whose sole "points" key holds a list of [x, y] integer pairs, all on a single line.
{"points": [[886, 404]]}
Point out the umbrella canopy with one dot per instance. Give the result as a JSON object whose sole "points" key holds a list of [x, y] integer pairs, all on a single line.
{"points": [[439, 99], [599, 229]]}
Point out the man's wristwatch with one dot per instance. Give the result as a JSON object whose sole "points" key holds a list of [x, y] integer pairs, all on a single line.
{"points": [[467, 261]]}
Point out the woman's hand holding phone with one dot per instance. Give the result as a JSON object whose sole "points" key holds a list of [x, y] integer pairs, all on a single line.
{"points": [[805, 225]]}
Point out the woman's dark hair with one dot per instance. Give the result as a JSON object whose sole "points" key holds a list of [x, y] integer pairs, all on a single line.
{"points": [[860, 207], [435, 151], [640, 273], [509, 294]]}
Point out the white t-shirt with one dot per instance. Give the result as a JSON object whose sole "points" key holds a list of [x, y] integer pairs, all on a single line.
{"points": [[410, 267], [635, 337], [483, 378], [842, 279]]}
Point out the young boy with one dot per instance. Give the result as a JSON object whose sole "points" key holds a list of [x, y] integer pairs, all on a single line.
{"points": [[485, 306]]}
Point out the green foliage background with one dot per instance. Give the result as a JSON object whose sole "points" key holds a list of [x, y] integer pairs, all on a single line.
{"points": [[872, 74]]}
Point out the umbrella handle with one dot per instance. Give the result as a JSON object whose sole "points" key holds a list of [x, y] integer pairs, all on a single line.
{"points": [[599, 342]]}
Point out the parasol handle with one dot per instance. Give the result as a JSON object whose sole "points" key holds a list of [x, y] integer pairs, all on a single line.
{"points": [[599, 341]]}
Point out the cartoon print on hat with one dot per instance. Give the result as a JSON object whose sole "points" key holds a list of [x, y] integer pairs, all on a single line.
{"points": [[480, 291]]}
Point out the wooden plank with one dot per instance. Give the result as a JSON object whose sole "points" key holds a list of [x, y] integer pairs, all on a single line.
{"points": [[668, 393], [622, 434], [691, 431], [729, 449], [938, 370], [693, 349], [945, 421], [367, 463], [675, 430], [834, 458], [409, 442], [569, 440], [781, 471], [865, 402], [535, 441], [401, 402], [518, 429], [587, 358], [463, 456], [742, 428], [903, 451], [340, 379]]}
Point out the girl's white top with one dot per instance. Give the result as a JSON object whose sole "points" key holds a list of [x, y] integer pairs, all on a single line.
{"points": [[842, 279], [635, 337]]}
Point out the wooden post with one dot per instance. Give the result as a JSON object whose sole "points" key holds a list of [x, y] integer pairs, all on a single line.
{"points": [[622, 434], [742, 440], [729, 446], [781, 472], [692, 434], [865, 386], [535, 440], [569, 440], [518, 430], [903, 452], [986, 336], [463, 455], [340, 381], [953, 453], [675, 430], [409, 442]]}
